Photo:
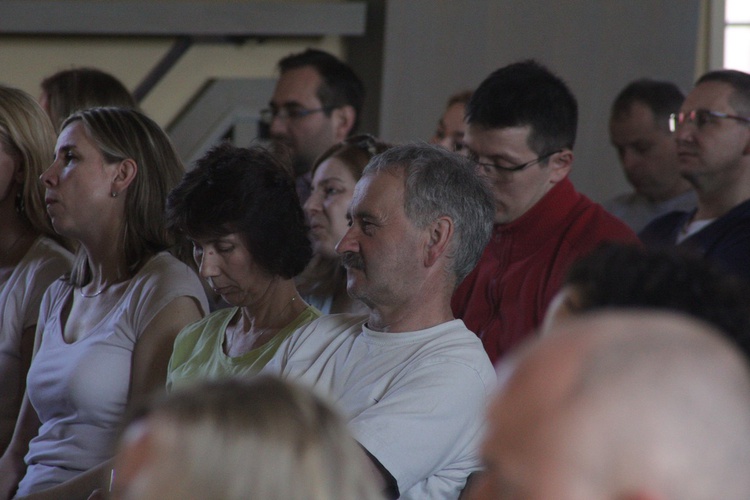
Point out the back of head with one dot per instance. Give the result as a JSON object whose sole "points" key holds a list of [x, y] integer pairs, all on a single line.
{"points": [[341, 86], [462, 97], [661, 97], [621, 276], [738, 80], [73, 90], [661, 404], [527, 94], [354, 152], [26, 134], [124, 134], [263, 438], [625, 404], [246, 191], [441, 183]]}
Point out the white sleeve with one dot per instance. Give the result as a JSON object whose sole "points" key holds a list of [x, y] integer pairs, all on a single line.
{"points": [[429, 422]]}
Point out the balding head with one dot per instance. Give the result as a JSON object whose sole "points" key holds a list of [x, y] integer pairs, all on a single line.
{"points": [[622, 405]]}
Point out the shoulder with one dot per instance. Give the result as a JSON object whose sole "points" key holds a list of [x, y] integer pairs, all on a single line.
{"points": [[47, 257], [621, 202], [161, 280], [661, 230], [328, 328], [311, 313], [202, 330], [590, 213], [455, 349], [165, 274], [58, 289], [208, 325], [319, 339], [165, 266], [586, 226]]}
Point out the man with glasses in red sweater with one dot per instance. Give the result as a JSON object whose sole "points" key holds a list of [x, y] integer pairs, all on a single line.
{"points": [[521, 127]]}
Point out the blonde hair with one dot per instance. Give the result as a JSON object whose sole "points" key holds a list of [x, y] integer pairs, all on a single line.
{"points": [[262, 438], [27, 135], [122, 134]]}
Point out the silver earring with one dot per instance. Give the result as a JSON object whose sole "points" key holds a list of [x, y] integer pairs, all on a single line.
{"points": [[114, 194]]}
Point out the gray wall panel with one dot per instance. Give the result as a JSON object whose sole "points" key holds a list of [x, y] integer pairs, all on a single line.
{"points": [[435, 47]]}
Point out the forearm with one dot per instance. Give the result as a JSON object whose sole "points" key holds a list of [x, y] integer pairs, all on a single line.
{"points": [[80, 487], [388, 484], [12, 465]]}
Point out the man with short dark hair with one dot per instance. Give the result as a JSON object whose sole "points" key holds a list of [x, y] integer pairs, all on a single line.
{"points": [[639, 130], [410, 379], [317, 103], [712, 131], [621, 405], [521, 127]]}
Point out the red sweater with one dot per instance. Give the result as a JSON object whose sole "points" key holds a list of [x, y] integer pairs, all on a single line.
{"points": [[506, 295]]}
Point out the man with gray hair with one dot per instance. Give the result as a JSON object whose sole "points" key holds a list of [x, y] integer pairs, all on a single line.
{"points": [[411, 380], [622, 405]]}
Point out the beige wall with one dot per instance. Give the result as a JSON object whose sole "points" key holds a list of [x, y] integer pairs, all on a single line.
{"points": [[597, 46], [431, 49], [25, 61]]}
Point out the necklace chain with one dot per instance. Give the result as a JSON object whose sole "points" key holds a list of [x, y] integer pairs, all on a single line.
{"points": [[95, 294]]}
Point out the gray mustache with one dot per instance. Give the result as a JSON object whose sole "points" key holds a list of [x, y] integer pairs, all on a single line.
{"points": [[352, 260]]}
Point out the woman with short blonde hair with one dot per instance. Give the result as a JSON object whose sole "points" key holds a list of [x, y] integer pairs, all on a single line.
{"points": [[233, 440]]}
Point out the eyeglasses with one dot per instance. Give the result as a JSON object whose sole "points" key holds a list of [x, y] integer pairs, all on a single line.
{"points": [[475, 158], [700, 117], [285, 113]]}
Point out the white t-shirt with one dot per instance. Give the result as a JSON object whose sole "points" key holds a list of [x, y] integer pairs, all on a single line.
{"points": [[414, 400], [20, 296], [80, 389]]}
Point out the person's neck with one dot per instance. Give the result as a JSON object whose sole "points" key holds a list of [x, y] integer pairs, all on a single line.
{"points": [[106, 259], [716, 197], [410, 316], [716, 202], [276, 309], [344, 303]]}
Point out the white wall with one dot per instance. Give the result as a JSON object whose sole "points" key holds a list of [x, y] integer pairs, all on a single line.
{"points": [[436, 47], [432, 48], [26, 61]]}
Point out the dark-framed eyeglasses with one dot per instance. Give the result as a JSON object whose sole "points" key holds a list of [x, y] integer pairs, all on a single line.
{"points": [[475, 158], [285, 113], [700, 117]]}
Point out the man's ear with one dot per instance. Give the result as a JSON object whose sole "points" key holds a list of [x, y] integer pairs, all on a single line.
{"points": [[125, 172], [343, 121], [438, 238], [560, 165]]}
